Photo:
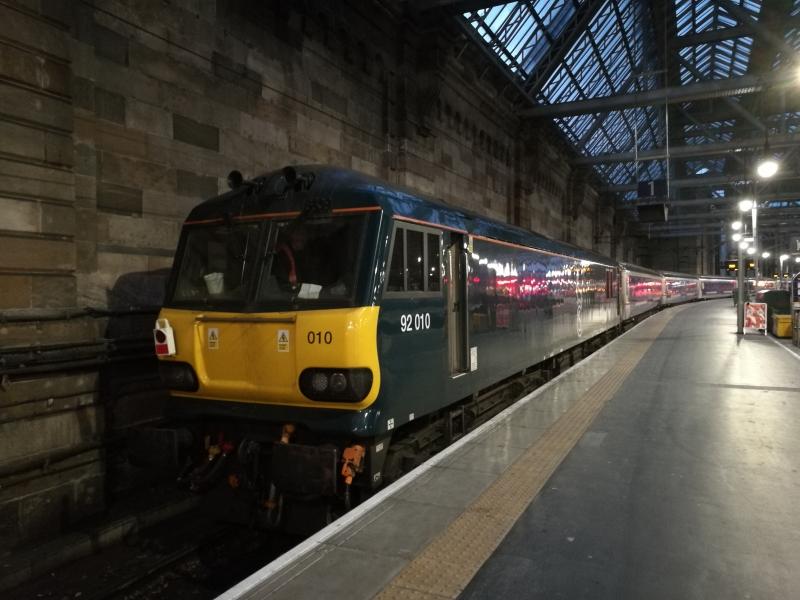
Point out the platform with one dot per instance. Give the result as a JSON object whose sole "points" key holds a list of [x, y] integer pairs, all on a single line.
{"points": [[663, 466]]}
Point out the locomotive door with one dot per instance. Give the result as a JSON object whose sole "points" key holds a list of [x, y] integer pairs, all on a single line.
{"points": [[457, 339]]}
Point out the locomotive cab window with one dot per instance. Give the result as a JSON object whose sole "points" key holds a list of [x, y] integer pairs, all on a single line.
{"points": [[217, 264], [312, 261], [271, 265], [415, 263]]}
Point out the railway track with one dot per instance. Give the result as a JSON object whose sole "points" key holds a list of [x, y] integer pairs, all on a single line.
{"points": [[187, 557]]}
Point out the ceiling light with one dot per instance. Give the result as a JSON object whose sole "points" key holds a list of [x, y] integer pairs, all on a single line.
{"points": [[743, 245], [751, 250], [767, 167], [765, 255], [797, 259], [745, 205], [736, 225], [736, 237], [783, 257]]}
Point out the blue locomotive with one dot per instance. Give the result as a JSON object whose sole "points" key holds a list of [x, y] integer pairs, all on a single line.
{"points": [[318, 321]]}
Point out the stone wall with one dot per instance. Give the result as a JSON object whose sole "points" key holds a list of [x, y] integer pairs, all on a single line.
{"points": [[116, 119]]}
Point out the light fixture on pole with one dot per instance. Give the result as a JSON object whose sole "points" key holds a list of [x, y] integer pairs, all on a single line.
{"points": [[767, 165], [751, 250], [736, 237], [736, 225], [745, 205], [765, 254], [743, 245]]}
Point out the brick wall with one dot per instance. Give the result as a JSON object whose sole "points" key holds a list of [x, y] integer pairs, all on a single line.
{"points": [[116, 119]]}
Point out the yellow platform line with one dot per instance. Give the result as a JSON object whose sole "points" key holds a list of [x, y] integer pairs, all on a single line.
{"points": [[445, 567]]}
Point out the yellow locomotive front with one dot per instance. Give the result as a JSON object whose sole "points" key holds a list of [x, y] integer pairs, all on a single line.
{"points": [[265, 309], [268, 345], [299, 358]]}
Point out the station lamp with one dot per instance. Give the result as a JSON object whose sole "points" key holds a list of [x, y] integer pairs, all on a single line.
{"points": [[736, 237], [743, 245], [765, 255], [782, 258], [767, 165], [751, 250], [797, 259], [745, 205], [736, 225]]}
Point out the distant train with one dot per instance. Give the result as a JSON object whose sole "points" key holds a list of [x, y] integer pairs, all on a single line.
{"points": [[314, 312]]}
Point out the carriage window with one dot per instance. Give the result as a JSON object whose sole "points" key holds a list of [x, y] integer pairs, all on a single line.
{"points": [[396, 270], [434, 263], [416, 261]]}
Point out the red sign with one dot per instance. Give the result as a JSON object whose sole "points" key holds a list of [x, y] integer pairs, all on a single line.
{"points": [[755, 315]]}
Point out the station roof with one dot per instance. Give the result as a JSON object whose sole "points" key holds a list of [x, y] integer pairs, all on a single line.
{"points": [[693, 92]]}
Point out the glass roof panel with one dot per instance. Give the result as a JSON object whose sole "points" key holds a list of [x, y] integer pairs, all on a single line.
{"points": [[520, 33], [713, 166], [605, 60], [698, 16], [785, 123], [720, 60], [618, 53]]}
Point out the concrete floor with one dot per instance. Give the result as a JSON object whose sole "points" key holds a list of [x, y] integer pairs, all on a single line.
{"points": [[685, 486]]}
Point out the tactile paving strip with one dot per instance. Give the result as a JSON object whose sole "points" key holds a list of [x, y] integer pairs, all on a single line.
{"points": [[445, 567]]}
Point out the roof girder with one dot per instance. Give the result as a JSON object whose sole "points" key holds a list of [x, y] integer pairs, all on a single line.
{"points": [[691, 150], [708, 181], [746, 84]]}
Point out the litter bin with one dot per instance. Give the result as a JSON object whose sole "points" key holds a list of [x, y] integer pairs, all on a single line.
{"points": [[782, 326], [777, 302]]}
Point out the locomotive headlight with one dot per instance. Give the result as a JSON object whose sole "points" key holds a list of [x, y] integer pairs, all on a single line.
{"points": [[360, 381], [319, 382], [338, 383], [335, 385]]}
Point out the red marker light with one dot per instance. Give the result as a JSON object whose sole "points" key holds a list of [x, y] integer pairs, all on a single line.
{"points": [[164, 338]]}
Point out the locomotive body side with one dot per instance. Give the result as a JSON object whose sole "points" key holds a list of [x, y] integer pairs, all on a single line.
{"points": [[506, 300]]}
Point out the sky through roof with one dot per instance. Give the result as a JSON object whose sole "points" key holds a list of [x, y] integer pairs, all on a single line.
{"points": [[618, 53]]}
